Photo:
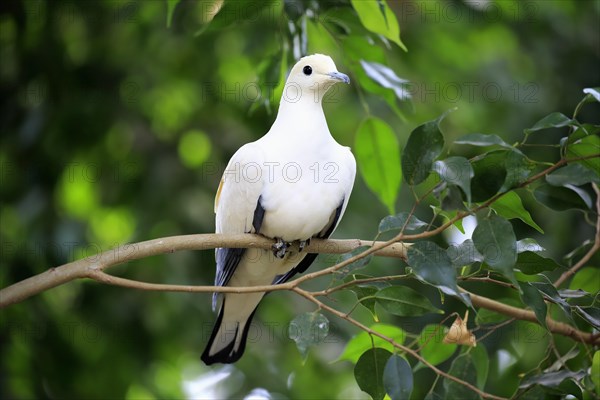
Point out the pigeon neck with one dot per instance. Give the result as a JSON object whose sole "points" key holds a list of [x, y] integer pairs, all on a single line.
{"points": [[300, 105], [305, 114]]}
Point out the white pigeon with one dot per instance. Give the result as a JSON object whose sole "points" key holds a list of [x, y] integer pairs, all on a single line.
{"points": [[291, 185]]}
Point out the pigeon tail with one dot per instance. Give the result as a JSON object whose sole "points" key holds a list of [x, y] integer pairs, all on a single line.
{"points": [[228, 339]]}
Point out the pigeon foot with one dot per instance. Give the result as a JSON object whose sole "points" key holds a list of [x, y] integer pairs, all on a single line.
{"points": [[279, 248], [303, 244]]}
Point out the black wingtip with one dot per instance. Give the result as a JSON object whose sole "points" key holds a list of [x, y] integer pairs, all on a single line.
{"points": [[227, 355]]}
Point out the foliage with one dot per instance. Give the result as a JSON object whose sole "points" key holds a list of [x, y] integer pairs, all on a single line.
{"points": [[117, 119]]}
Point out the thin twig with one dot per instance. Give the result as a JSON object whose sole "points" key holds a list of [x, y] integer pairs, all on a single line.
{"points": [[583, 261], [333, 289], [494, 328], [103, 277], [486, 279], [309, 296]]}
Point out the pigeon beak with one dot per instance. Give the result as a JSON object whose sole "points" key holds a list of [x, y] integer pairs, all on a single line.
{"points": [[338, 76]]}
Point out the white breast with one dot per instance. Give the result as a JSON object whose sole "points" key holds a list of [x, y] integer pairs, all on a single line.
{"points": [[305, 187]]}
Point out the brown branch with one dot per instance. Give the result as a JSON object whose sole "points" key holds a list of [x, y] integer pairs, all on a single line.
{"points": [[582, 262], [486, 279], [330, 290], [108, 279], [527, 315], [89, 266], [309, 296]]}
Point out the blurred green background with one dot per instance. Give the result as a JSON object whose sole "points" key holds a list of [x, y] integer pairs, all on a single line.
{"points": [[116, 128]]}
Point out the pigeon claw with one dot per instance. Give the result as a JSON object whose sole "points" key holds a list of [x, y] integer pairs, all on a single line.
{"points": [[303, 244], [279, 248]]}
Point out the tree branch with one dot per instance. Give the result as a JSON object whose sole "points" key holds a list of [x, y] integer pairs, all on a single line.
{"points": [[90, 266], [567, 274], [527, 315]]}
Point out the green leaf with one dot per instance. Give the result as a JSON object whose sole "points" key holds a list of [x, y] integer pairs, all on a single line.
{"points": [[456, 171], [453, 199], [464, 254], [403, 301], [551, 379], [572, 174], [587, 199], [379, 18], [495, 239], [368, 372], [485, 316], [365, 293], [570, 388], [343, 272], [433, 348], [554, 120], [595, 375], [424, 145], [307, 330], [531, 263], [482, 140], [449, 215], [518, 170], [431, 265], [399, 221], [579, 133], [510, 206], [490, 174], [377, 151], [171, 5], [594, 92], [482, 364], [550, 293], [562, 198], [358, 47], [363, 341], [534, 300], [573, 294], [271, 75], [586, 279], [387, 78], [366, 296], [463, 368], [534, 393], [399, 107], [234, 13], [590, 314], [586, 147], [398, 378], [529, 244]]}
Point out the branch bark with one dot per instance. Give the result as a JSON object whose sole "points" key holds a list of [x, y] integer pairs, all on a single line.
{"points": [[92, 266]]}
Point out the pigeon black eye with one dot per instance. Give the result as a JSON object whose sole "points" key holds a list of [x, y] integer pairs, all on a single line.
{"points": [[307, 70]]}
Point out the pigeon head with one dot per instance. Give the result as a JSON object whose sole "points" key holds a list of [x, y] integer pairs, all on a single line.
{"points": [[313, 75]]}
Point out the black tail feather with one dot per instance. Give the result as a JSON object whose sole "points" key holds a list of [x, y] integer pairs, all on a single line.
{"points": [[227, 355]]}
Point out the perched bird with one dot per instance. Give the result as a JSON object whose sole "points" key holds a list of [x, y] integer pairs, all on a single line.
{"points": [[291, 185]]}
